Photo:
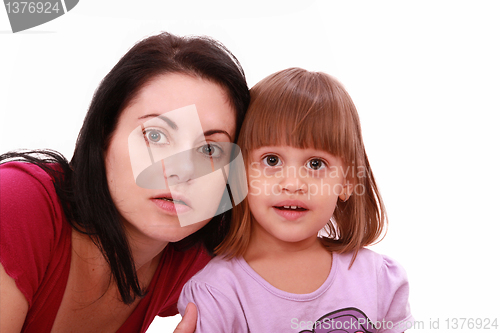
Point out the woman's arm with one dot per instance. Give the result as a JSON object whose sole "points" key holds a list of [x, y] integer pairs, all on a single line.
{"points": [[13, 305]]}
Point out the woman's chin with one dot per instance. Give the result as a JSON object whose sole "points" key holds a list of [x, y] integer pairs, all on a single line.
{"points": [[176, 233]]}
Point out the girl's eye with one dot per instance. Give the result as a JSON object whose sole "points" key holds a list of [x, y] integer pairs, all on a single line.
{"points": [[272, 160], [155, 136], [211, 150], [316, 164]]}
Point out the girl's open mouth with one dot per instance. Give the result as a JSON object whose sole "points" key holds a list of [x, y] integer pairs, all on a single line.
{"points": [[291, 208], [290, 213]]}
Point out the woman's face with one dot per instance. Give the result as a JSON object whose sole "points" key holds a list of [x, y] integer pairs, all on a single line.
{"points": [[154, 163]]}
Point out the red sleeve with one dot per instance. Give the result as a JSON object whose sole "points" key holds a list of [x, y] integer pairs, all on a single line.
{"points": [[29, 208], [188, 264], [174, 270]]}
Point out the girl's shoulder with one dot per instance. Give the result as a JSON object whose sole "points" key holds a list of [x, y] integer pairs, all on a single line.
{"points": [[367, 259], [376, 274], [378, 270], [218, 271], [220, 278]]}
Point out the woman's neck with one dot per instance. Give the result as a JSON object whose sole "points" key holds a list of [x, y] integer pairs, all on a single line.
{"points": [[91, 291], [144, 252], [94, 270], [143, 249]]}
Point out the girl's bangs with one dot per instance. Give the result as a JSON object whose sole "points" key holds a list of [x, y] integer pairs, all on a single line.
{"points": [[303, 114]]}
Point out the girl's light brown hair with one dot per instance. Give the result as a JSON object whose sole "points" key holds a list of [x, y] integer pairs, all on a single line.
{"points": [[303, 109]]}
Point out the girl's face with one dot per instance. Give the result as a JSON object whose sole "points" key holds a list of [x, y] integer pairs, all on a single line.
{"points": [[174, 115], [292, 192]]}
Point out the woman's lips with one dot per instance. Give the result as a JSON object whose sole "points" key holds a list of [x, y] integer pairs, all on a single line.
{"points": [[173, 204]]}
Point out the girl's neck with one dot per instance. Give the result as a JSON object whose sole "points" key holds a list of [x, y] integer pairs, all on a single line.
{"points": [[298, 268], [264, 245], [259, 249]]}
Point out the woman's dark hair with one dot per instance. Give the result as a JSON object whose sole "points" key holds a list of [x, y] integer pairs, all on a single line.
{"points": [[82, 185]]}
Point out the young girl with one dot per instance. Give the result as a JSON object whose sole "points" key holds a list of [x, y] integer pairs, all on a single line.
{"points": [[294, 259]]}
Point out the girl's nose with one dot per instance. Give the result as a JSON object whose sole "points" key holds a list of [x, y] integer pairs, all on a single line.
{"points": [[292, 181]]}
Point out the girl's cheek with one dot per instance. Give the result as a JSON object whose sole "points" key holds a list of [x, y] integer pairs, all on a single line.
{"points": [[254, 171], [255, 188]]}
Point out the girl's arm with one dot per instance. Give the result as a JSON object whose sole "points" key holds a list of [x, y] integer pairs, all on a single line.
{"points": [[393, 289], [216, 310], [13, 305], [188, 322]]}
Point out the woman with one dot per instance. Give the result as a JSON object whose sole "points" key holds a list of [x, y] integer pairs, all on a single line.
{"points": [[83, 247]]}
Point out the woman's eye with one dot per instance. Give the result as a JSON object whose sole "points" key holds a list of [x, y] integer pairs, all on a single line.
{"points": [[211, 150], [155, 137], [316, 164], [272, 160]]}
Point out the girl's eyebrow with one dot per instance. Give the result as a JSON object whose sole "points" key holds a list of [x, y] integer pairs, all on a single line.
{"points": [[169, 122]]}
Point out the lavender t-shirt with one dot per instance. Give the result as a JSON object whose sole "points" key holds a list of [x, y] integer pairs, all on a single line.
{"points": [[371, 296]]}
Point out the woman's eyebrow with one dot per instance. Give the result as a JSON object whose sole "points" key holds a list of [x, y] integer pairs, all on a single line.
{"points": [[169, 122], [174, 126], [215, 131]]}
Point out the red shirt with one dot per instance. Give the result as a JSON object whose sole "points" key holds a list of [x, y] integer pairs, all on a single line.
{"points": [[35, 250]]}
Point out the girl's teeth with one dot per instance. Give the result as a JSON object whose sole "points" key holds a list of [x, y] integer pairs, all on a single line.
{"points": [[291, 207]]}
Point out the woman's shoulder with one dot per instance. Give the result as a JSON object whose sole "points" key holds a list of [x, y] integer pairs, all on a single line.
{"points": [[28, 190], [32, 224], [17, 171], [28, 198]]}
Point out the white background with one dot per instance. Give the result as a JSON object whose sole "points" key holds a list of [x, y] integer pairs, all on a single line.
{"points": [[425, 77]]}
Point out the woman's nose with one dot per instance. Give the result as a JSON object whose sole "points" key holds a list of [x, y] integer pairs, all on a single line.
{"points": [[179, 168]]}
